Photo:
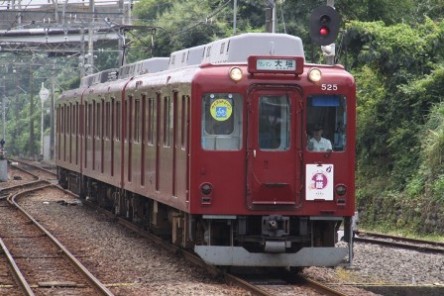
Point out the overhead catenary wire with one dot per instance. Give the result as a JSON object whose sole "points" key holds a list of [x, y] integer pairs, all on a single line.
{"points": [[207, 18]]}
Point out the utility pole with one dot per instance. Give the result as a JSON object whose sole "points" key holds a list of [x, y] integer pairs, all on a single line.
{"points": [[234, 17], [128, 13], [82, 53], [273, 16], [56, 11], [52, 135], [330, 50], [3, 161], [4, 110], [90, 55], [43, 94], [31, 142], [270, 16]]}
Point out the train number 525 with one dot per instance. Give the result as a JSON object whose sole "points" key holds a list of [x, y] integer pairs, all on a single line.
{"points": [[329, 87]]}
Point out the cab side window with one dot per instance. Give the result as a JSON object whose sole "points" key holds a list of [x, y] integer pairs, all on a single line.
{"points": [[222, 121]]}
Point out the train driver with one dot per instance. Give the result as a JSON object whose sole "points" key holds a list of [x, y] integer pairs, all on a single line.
{"points": [[318, 143]]}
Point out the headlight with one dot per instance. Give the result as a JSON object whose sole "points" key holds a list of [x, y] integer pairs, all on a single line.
{"points": [[314, 75], [236, 74]]}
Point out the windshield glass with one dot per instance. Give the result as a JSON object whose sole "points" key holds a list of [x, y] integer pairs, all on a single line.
{"points": [[326, 123]]}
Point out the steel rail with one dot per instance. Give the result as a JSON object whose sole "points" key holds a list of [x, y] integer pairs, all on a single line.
{"points": [[25, 171], [400, 242], [23, 283], [33, 166], [246, 285], [325, 290], [96, 283], [406, 239]]}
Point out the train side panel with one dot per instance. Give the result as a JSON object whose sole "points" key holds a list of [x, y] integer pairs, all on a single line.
{"points": [[68, 144], [102, 136], [157, 150]]}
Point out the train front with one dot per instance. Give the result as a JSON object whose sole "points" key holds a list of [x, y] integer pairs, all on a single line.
{"points": [[272, 160]]}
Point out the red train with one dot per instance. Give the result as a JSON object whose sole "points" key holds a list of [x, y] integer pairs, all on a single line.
{"points": [[212, 148]]}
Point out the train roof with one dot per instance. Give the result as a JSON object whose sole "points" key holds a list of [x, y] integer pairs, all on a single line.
{"points": [[150, 65], [186, 57], [239, 48], [233, 49], [99, 77]]}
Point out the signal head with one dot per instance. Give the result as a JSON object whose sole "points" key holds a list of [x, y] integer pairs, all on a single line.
{"points": [[324, 25]]}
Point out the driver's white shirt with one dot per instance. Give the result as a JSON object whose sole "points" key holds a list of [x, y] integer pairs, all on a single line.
{"points": [[322, 145]]}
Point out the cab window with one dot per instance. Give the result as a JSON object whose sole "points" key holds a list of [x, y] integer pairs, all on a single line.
{"points": [[222, 121], [274, 122], [326, 119]]}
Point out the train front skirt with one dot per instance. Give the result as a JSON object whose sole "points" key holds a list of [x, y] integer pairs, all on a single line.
{"points": [[239, 256]]}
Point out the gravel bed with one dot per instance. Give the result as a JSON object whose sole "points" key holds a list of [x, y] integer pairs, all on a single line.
{"points": [[382, 265], [127, 263], [397, 266]]}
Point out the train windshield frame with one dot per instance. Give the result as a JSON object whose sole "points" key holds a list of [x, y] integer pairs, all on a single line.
{"points": [[328, 112], [222, 119]]}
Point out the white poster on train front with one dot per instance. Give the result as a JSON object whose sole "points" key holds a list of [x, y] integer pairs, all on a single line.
{"points": [[319, 182]]}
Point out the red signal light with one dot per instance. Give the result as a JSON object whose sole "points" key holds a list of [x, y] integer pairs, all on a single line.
{"points": [[324, 31]]}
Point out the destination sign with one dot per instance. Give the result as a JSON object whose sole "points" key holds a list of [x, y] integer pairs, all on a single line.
{"points": [[276, 64]]}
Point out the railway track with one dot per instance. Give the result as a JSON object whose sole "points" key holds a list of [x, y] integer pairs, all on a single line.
{"points": [[399, 242], [287, 283], [38, 262], [282, 282], [429, 248], [35, 170]]}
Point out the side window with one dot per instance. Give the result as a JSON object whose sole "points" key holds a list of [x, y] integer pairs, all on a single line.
{"points": [[151, 120], [167, 121], [107, 120], [118, 127], [326, 123], [184, 121], [98, 119], [222, 121], [128, 111], [137, 120], [90, 119]]}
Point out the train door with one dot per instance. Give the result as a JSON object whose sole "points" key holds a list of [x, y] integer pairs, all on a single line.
{"points": [[274, 163]]}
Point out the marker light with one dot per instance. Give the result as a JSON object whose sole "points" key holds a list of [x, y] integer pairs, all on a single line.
{"points": [[206, 188], [341, 189], [236, 74], [314, 75]]}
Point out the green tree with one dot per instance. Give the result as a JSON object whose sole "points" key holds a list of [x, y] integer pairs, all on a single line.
{"points": [[387, 60], [22, 75], [178, 24]]}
